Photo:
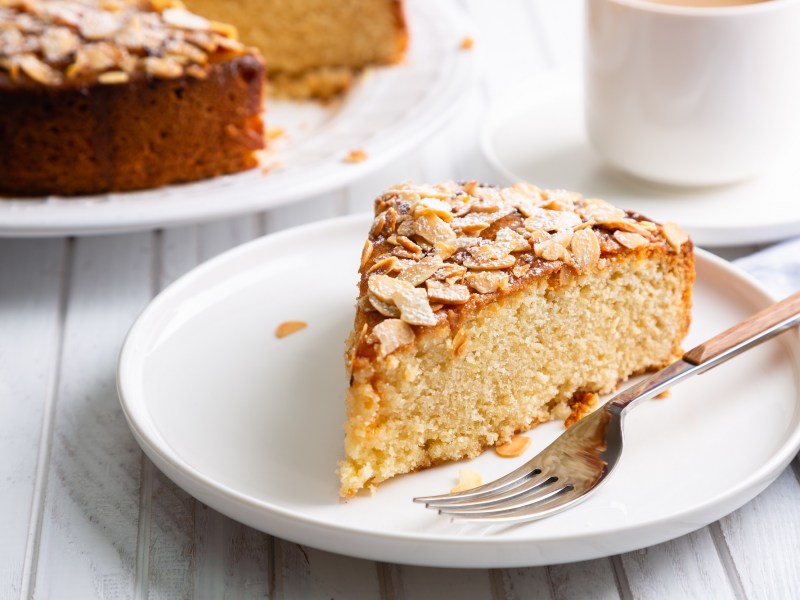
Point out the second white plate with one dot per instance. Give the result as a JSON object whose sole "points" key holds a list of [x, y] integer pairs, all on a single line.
{"points": [[538, 135], [389, 111], [253, 425]]}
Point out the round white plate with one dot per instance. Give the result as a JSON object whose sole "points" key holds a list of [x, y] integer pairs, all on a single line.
{"points": [[253, 425], [538, 135], [388, 112]]}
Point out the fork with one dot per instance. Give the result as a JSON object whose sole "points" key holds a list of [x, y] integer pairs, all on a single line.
{"points": [[583, 457]]}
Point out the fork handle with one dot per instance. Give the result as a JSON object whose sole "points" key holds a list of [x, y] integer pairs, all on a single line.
{"points": [[755, 329]]}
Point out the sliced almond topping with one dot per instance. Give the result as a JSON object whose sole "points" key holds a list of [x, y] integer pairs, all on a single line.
{"points": [[113, 77], [490, 265], [488, 252], [560, 200], [450, 273], [434, 229], [585, 249], [384, 287], [390, 264], [538, 235], [628, 225], [97, 25], [366, 253], [599, 210], [162, 68], [433, 206], [551, 220], [386, 309], [550, 250], [183, 19], [486, 282], [513, 448], [630, 240], [520, 269], [414, 306], [58, 43], [38, 70], [421, 271], [676, 237], [391, 334], [467, 479], [512, 240], [446, 293], [289, 327], [408, 244]]}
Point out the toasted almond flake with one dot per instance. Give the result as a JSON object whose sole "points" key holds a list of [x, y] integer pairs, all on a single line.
{"points": [[377, 224], [665, 394], [446, 293], [467, 479], [225, 29], [162, 68], [384, 287], [490, 265], [550, 250], [366, 253], [599, 210], [183, 19], [551, 220], [419, 272], [450, 272], [512, 240], [433, 206], [560, 200], [676, 237], [98, 25], [391, 335], [460, 342], [390, 264], [434, 229], [467, 43], [58, 43], [514, 447], [113, 77], [414, 306], [628, 225], [538, 235], [630, 240], [581, 405], [385, 308], [355, 156], [289, 327], [520, 270], [486, 282], [585, 249], [488, 252], [38, 71], [408, 244]]}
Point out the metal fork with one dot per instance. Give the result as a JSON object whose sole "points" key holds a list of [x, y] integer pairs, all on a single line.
{"points": [[583, 457]]}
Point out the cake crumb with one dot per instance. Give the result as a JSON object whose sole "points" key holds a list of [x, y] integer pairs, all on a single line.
{"points": [[467, 43], [275, 133], [665, 394], [514, 447], [271, 166], [355, 156], [467, 479], [581, 405], [289, 327]]}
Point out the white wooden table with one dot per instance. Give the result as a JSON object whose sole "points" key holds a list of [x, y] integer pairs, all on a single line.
{"points": [[84, 514]]}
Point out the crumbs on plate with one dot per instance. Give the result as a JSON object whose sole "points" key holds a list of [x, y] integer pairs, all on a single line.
{"points": [[514, 447], [467, 479], [355, 156], [289, 327], [467, 43]]}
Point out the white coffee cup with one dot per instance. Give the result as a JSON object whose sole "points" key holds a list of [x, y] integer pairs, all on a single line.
{"points": [[686, 95]]}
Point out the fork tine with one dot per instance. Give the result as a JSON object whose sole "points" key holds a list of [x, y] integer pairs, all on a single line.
{"points": [[537, 510], [522, 487], [524, 472], [519, 502]]}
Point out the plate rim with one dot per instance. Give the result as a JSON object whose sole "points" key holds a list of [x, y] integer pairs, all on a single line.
{"points": [[18, 220], [302, 526], [565, 82]]}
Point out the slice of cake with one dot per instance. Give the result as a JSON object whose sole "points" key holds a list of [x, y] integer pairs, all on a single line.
{"points": [[314, 48], [484, 311], [111, 95]]}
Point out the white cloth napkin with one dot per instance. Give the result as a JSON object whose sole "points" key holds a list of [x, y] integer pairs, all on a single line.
{"points": [[777, 267]]}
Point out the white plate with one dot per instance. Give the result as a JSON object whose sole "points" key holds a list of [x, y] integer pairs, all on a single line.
{"points": [[538, 135], [253, 425], [389, 111]]}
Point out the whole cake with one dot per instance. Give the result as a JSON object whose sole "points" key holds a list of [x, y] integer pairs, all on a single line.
{"points": [[484, 311], [314, 48], [100, 95]]}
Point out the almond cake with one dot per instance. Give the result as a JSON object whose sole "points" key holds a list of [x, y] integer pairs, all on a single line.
{"points": [[484, 311]]}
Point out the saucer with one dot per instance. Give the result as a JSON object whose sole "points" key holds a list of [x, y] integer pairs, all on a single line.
{"points": [[538, 135]]}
